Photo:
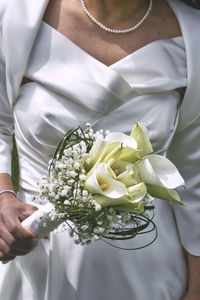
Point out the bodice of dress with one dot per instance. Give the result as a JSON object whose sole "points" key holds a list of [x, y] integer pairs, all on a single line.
{"points": [[71, 88]]}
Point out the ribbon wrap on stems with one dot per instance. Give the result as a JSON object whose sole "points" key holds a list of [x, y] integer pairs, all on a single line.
{"points": [[40, 221]]}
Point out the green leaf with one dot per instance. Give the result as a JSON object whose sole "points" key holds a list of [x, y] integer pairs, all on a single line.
{"points": [[164, 194]]}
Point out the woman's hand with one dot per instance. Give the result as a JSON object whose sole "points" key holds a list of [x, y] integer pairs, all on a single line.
{"points": [[193, 292], [192, 296], [14, 239]]}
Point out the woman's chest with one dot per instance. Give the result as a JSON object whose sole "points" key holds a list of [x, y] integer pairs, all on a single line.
{"points": [[106, 47]]}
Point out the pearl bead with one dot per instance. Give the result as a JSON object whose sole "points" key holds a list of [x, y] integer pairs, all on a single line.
{"points": [[117, 31]]}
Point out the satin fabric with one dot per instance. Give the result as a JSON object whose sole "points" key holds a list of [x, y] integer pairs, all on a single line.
{"points": [[69, 88]]}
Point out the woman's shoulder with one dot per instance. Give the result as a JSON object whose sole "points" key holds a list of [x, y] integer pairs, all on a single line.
{"points": [[189, 20], [22, 10], [185, 5], [188, 17]]}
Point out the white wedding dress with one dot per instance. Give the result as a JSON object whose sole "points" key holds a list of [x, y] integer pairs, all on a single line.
{"points": [[69, 88]]}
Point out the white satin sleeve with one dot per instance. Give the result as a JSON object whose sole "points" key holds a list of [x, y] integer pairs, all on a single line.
{"points": [[6, 119], [185, 153]]}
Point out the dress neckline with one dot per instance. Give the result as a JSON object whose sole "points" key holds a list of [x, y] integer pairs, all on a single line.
{"points": [[120, 60]]}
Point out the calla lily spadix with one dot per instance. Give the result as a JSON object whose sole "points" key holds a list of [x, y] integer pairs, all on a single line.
{"points": [[101, 182]]}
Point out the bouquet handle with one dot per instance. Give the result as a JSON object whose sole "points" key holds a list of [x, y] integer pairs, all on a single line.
{"points": [[40, 221]]}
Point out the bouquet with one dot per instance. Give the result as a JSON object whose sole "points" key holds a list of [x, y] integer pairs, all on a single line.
{"points": [[101, 185]]}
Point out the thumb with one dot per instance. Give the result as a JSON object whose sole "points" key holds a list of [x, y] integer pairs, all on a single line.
{"points": [[28, 210]]}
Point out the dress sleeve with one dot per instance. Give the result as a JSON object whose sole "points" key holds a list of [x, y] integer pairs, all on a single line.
{"points": [[185, 154], [6, 118]]}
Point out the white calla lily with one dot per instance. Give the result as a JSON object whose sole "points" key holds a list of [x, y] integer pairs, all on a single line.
{"points": [[102, 182], [159, 171]]}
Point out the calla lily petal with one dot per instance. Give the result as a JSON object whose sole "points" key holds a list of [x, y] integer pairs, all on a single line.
{"points": [[124, 153], [96, 151], [100, 150], [124, 171], [137, 192], [158, 170], [140, 135], [119, 166], [107, 201], [164, 194], [101, 177], [137, 208], [122, 138], [129, 177]]}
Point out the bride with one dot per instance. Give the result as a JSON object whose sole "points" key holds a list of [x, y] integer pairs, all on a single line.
{"points": [[111, 63]]}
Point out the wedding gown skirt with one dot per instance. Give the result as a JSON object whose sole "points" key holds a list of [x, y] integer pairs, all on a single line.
{"points": [[70, 88]]}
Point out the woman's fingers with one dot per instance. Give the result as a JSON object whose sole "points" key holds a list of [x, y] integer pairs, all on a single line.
{"points": [[14, 239], [4, 257], [16, 236], [26, 211], [11, 245]]}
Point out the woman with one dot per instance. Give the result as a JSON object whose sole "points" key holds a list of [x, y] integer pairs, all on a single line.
{"points": [[76, 72]]}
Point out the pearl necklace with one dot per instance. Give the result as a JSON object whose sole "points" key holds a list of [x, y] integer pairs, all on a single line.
{"points": [[117, 31]]}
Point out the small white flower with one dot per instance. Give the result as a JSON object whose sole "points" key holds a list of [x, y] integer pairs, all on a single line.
{"points": [[66, 202], [70, 181], [85, 193], [84, 199], [107, 132], [77, 165], [73, 174], [82, 177], [68, 152], [97, 207], [84, 227], [52, 195], [64, 193]]}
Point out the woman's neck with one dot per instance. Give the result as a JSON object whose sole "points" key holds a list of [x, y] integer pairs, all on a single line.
{"points": [[114, 11]]}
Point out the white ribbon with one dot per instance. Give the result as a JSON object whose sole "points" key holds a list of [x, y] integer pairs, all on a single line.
{"points": [[40, 221]]}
